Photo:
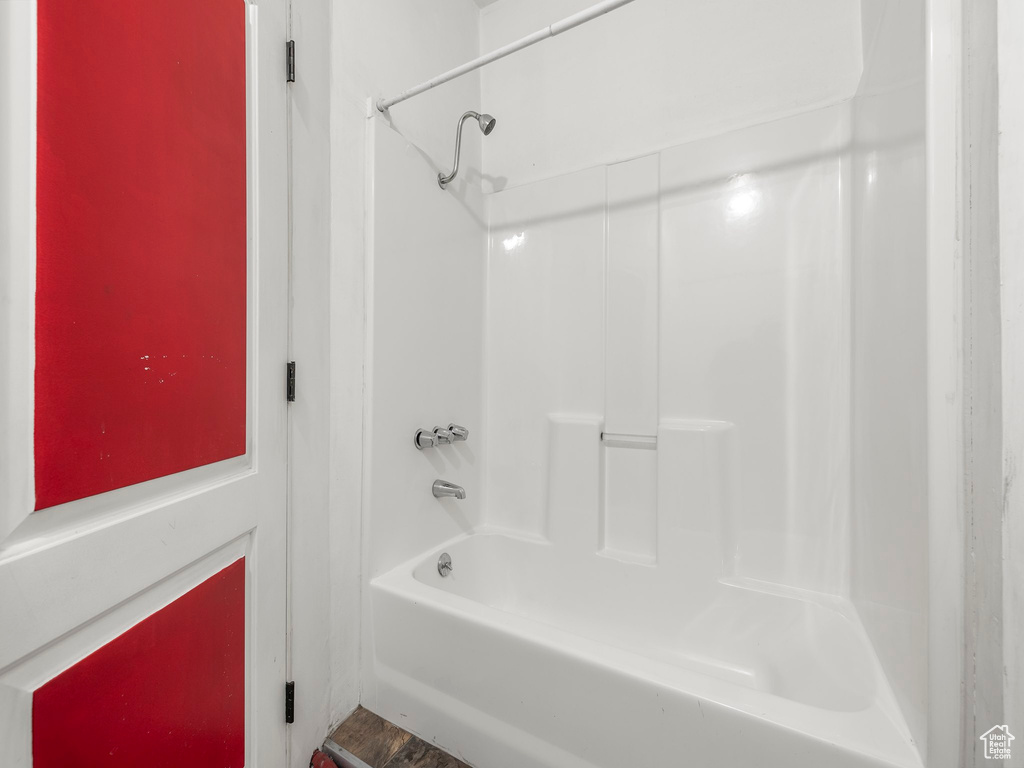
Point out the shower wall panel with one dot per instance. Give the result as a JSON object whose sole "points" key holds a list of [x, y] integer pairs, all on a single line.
{"points": [[629, 510], [681, 315], [426, 307], [655, 74], [631, 360], [755, 332], [545, 334]]}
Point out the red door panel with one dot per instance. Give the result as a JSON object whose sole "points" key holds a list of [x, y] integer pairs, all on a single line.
{"points": [[168, 692], [141, 242]]}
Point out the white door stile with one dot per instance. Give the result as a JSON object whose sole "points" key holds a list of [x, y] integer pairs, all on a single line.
{"points": [[17, 274]]}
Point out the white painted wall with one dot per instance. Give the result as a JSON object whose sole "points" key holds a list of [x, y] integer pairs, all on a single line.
{"points": [[1011, 248], [421, 366], [889, 556], [655, 74], [377, 48], [386, 46]]}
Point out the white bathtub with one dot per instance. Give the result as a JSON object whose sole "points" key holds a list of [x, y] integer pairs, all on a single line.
{"points": [[522, 657]]}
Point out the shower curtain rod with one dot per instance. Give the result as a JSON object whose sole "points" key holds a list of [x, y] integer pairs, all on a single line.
{"points": [[555, 29]]}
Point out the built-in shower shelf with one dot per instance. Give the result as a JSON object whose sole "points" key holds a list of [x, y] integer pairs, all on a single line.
{"points": [[650, 442]]}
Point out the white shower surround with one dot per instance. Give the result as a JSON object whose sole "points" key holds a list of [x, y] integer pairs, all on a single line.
{"points": [[738, 520]]}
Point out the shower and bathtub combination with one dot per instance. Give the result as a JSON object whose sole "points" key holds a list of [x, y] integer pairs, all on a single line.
{"points": [[686, 319]]}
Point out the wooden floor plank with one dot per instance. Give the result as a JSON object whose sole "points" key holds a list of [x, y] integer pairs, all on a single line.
{"points": [[418, 754], [370, 738]]}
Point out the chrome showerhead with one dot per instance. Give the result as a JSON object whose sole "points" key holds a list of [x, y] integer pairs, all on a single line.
{"points": [[486, 123]]}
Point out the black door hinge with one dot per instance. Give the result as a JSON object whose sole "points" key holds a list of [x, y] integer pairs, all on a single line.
{"points": [[291, 382], [291, 61], [289, 702]]}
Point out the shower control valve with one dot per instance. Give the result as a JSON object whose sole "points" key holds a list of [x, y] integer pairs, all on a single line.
{"points": [[459, 433], [425, 439], [444, 436]]}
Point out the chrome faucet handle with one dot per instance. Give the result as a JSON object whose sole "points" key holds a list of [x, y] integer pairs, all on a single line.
{"points": [[459, 433], [425, 439], [444, 437]]}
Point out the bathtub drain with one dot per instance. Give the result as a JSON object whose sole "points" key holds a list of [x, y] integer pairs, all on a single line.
{"points": [[444, 564]]}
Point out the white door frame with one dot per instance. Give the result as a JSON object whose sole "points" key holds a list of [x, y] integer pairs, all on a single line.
{"points": [[945, 386], [311, 468]]}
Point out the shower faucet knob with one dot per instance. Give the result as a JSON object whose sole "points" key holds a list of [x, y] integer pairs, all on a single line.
{"points": [[444, 436], [459, 433], [425, 439]]}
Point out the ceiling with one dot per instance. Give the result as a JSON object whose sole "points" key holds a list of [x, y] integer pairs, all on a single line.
{"points": [[485, 3]]}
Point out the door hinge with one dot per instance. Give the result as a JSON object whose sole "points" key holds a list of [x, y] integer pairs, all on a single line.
{"points": [[291, 382], [291, 61], [289, 702]]}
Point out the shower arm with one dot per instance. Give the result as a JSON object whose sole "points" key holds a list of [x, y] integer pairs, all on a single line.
{"points": [[442, 180]]}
